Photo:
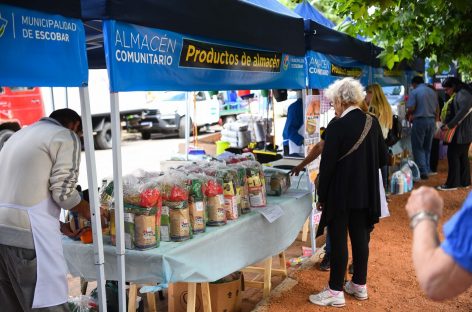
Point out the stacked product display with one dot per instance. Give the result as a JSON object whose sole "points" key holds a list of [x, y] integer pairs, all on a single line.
{"points": [[182, 202], [248, 128]]}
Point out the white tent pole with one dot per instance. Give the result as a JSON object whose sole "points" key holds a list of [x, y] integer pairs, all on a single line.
{"points": [[187, 125], [93, 196], [118, 198]]}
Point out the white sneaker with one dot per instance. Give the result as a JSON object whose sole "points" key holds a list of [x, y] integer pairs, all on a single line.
{"points": [[358, 291], [328, 297]]}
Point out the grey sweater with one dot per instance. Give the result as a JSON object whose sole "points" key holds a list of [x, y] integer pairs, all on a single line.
{"points": [[36, 163]]}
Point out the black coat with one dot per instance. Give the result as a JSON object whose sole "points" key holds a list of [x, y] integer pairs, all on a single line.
{"points": [[353, 182]]}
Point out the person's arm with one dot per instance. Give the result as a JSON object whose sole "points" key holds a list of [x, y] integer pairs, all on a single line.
{"points": [[312, 155], [411, 105], [438, 274], [64, 150], [464, 100]]}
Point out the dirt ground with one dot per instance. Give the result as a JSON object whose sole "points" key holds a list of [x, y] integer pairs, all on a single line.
{"points": [[391, 282]]}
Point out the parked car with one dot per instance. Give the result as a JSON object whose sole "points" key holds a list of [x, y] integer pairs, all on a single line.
{"points": [[168, 109]]}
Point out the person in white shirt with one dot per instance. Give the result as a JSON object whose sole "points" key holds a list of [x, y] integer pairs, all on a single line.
{"points": [[39, 168]]}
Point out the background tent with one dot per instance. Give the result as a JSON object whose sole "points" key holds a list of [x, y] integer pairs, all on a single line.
{"points": [[307, 11], [229, 20]]}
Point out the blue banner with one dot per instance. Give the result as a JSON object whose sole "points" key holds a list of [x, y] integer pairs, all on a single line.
{"points": [[386, 77], [141, 58], [324, 69], [40, 49]]}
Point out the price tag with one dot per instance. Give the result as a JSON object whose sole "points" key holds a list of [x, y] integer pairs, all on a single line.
{"points": [[271, 213]]}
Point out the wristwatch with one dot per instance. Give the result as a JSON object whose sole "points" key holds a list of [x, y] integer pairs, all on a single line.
{"points": [[423, 215]]}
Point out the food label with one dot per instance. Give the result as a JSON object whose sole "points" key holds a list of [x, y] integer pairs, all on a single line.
{"points": [[179, 223], [231, 207], [165, 234], [256, 197], [199, 206], [129, 217], [165, 210], [128, 241], [221, 198]]}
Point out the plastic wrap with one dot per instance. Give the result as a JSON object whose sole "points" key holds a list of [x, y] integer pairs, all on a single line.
{"points": [[230, 182], [277, 181], [196, 201], [142, 211], [175, 220], [256, 184], [82, 304], [242, 190], [215, 201]]}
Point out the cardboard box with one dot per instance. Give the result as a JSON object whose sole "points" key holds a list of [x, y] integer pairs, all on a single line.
{"points": [[206, 142], [225, 297]]}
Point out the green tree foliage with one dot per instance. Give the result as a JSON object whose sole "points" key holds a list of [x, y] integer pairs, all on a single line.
{"points": [[438, 29]]}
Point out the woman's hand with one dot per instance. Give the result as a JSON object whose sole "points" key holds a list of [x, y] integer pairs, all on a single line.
{"points": [[296, 170], [444, 127]]}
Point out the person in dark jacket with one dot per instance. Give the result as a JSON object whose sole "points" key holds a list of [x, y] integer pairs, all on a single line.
{"points": [[348, 191], [459, 116]]}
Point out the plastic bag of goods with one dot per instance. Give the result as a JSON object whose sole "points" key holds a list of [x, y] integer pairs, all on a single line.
{"points": [[242, 191], [256, 184], [215, 203], [196, 202], [142, 212], [277, 181], [82, 303], [175, 220], [408, 175], [230, 182], [398, 183]]}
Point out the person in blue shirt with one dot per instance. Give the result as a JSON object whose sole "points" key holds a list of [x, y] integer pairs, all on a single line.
{"points": [[444, 270], [293, 129], [422, 110]]}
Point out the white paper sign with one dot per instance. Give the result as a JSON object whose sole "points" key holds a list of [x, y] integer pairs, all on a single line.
{"points": [[271, 213]]}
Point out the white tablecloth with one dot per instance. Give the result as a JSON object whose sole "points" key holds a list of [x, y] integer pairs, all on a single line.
{"points": [[208, 256]]}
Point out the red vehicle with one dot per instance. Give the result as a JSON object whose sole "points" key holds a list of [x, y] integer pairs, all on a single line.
{"points": [[19, 107]]}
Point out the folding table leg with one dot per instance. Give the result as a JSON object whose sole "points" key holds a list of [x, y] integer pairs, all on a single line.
{"points": [[267, 277], [206, 297], [282, 263], [132, 298], [191, 297], [151, 302], [305, 230]]}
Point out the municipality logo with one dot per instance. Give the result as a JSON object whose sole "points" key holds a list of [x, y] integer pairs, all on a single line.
{"points": [[286, 62], [3, 25]]}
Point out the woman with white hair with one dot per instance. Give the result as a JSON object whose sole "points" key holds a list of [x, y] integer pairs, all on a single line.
{"points": [[348, 192]]}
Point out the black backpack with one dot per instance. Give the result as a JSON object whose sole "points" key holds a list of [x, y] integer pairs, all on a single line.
{"points": [[395, 134]]}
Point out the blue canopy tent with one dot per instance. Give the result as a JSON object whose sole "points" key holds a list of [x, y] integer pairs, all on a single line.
{"points": [[59, 59], [210, 28], [307, 11]]}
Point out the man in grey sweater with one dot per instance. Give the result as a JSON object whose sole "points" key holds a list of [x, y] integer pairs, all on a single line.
{"points": [[39, 168]]}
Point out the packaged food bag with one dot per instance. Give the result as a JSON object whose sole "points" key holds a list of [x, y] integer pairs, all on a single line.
{"points": [[277, 181]]}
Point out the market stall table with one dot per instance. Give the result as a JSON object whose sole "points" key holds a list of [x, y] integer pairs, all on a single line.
{"points": [[208, 256]]}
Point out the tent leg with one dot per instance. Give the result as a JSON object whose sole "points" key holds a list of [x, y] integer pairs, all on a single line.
{"points": [[118, 198], [93, 196]]}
